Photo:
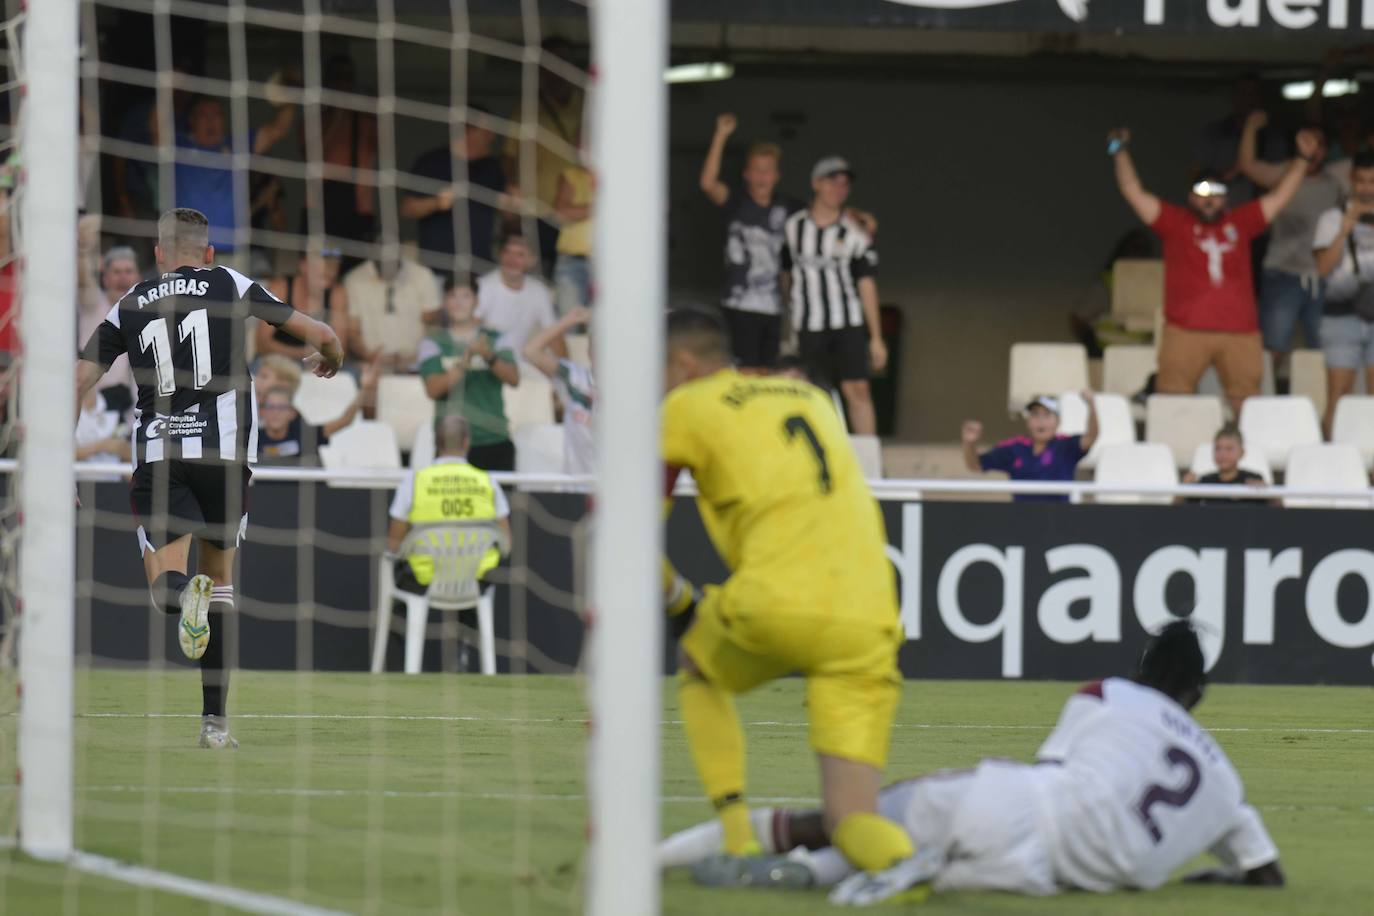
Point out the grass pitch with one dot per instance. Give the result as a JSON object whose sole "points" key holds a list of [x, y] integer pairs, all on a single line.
{"points": [[449, 794]]}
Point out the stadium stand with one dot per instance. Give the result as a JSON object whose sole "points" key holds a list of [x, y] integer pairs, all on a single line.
{"points": [[1326, 466], [1126, 368], [1253, 461], [403, 405], [538, 448], [365, 444], [870, 452], [1137, 292], [1114, 422], [1307, 377], [1354, 425], [531, 402], [1182, 422], [1136, 464], [1043, 368], [1277, 425], [320, 400], [580, 348]]}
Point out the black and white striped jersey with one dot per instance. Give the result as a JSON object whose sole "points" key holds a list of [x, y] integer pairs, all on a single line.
{"points": [[826, 265], [184, 332]]}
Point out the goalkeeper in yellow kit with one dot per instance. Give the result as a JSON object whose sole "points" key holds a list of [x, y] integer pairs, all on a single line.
{"points": [[810, 589]]}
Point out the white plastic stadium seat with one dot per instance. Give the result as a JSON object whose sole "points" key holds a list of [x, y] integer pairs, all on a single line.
{"points": [[870, 453], [1182, 422], [1307, 377], [1044, 368], [1137, 292], [1328, 467], [539, 448], [320, 400], [1126, 368], [531, 402], [456, 549], [1277, 425], [1114, 421], [1253, 460], [365, 444], [579, 348], [1136, 464], [422, 447], [403, 405], [1353, 424]]}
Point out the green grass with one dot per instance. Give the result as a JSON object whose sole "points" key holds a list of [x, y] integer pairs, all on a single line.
{"points": [[484, 814]]}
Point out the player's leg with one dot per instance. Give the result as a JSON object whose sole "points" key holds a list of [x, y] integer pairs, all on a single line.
{"points": [[163, 500], [854, 369]]}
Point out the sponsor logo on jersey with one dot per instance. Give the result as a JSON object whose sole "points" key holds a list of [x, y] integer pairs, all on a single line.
{"points": [[176, 426], [178, 287]]}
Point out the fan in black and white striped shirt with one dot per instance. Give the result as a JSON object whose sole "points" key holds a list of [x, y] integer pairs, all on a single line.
{"points": [[832, 263]]}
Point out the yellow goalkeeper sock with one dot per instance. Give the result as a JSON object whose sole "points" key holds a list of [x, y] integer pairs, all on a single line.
{"points": [[871, 842], [716, 741]]}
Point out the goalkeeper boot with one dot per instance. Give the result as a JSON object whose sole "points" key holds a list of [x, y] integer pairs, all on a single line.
{"points": [[214, 733], [194, 631], [789, 872], [909, 881]]}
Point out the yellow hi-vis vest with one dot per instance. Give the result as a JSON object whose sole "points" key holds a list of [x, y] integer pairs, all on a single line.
{"points": [[451, 491]]}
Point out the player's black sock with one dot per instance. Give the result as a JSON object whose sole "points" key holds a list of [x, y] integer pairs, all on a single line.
{"points": [[166, 591], [214, 670]]}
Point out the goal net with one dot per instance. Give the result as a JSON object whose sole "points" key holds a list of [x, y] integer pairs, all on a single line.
{"points": [[417, 176]]}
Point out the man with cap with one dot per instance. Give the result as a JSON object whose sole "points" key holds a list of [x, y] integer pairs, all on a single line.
{"points": [[1041, 454], [1210, 318], [834, 295]]}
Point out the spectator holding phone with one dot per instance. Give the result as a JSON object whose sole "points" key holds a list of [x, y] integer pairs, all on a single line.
{"points": [[1344, 249], [1041, 454]]}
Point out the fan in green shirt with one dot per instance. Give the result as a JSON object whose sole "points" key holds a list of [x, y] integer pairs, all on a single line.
{"points": [[464, 367]]}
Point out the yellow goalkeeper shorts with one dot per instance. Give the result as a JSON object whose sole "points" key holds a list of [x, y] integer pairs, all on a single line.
{"points": [[850, 665]]}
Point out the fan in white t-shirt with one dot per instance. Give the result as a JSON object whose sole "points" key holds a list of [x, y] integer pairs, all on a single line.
{"points": [[513, 303], [1126, 789], [576, 389]]}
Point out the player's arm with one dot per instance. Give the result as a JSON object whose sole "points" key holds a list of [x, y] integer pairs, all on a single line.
{"points": [[105, 345], [1247, 853], [1145, 204], [1090, 434], [969, 435], [709, 181], [1272, 204], [864, 267], [536, 351], [87, 374], [1264, 174]]}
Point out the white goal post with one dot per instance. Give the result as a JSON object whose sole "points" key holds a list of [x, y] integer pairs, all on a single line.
{"points": [[47, 227]]}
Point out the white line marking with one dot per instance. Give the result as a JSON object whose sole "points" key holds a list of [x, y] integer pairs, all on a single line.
{"points": [[761, 724]]}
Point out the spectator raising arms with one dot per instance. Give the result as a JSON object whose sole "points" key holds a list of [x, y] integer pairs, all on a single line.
{"points": [[1041, 454], [1209, 292], [512, 302], [315, 290], [464, 367], [283, 435], [576, 389]]}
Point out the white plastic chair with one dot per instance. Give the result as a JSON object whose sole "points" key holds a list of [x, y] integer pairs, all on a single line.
{"points": [[1353, 424], [538, 448], [531, 402], [1327, 467], [1182, 422], [1277, 425], [1126, 368], [869, 450], [365, 444], [320, 400], [1136, 464], [456, 550], [1137, 292], [1307, 377], [403, 405], [422, 447], [1114, 421], [1253, 461], [1044, 368]]}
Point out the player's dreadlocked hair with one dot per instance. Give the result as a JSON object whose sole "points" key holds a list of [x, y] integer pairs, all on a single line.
{"points": [[1172, 663]]}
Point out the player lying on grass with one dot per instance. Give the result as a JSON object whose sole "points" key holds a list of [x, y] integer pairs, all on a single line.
{"points": [[810, 588], [195, 431], [1126, 789]]}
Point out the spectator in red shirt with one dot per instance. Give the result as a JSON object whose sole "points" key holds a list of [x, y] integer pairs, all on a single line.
{"points": [[1210, 317]]}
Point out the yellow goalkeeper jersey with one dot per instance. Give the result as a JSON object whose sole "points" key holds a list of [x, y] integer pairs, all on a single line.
{"points": [[782, 496]]}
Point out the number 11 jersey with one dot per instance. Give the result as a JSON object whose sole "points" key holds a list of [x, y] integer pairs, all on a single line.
{"points": [[184, 333]]}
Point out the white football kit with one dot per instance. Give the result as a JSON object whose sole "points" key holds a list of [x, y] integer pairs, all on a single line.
{"points": [[1127, 789]]}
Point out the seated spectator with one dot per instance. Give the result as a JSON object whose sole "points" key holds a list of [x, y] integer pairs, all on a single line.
{"points": [[575, 386], [276, 371], [101, 434], [1041, 454], [513, 303], [572, 272], [389, 304], [315, 290], [285, 438], [464, 366], [473, 156], [100, 284], [1344, 248], [1227, 449], [426, 497], [1210, 317]]}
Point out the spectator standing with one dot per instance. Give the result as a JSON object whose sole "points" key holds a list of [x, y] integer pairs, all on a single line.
{"points": [[389, 304], [463, 367], [576, 389], [452, 489], [100, 284], [1041, 454], [459, 241], [348, 141], [1290, 290], [1209, 296], [1344, 251], [1228, 448], [315, 290], [754, 240], [572, 274], [834, 295], [1218, 150], [512, 302], [285, 438]]}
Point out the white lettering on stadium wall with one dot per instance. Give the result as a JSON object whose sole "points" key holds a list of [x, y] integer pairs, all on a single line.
{"points": [[1226, 14]]}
